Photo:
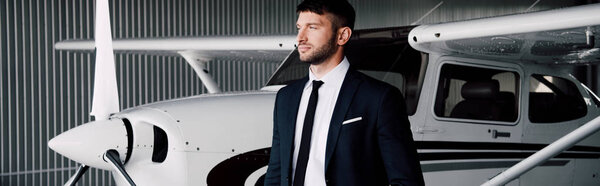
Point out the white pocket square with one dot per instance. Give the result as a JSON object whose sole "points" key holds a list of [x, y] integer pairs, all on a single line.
{"points": [[352, 120]]}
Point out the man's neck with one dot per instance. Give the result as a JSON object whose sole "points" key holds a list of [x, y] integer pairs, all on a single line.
{"points": [[319, 70]]}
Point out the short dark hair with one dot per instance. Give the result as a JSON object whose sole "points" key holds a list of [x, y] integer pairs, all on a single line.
{"points": [[343, 12]]}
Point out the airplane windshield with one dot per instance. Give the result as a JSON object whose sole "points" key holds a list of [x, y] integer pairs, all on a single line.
{"points": [[384, 55]]}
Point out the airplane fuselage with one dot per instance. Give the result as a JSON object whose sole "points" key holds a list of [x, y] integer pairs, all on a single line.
{"points": [[224, 139]]}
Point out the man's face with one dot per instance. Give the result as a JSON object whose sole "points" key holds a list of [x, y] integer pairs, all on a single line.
{"points": [[316, 37]]}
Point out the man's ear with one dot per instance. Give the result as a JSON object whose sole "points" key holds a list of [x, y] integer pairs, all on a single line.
{"points": [[343, 35]]}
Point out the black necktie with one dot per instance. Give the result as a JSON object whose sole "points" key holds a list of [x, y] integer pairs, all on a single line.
{"points": [[309, 118]]}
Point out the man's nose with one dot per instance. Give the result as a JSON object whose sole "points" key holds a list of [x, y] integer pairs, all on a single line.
{"points": [[301, 37]]}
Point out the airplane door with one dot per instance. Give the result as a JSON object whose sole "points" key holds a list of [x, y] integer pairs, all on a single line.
{"points": [[472, 129], [555, 107]]}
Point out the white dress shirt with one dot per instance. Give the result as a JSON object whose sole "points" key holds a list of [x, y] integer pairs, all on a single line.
{"points": [[328, 94]]}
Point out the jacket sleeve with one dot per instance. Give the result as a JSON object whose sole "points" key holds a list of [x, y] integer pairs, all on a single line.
{"points": [[396, 144], [273, 176]]}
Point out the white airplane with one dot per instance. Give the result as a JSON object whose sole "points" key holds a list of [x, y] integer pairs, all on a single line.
{"points": [[481, 96]]}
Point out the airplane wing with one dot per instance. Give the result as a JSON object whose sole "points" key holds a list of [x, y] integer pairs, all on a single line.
{"points": [[197, 51], [265, 48], [561, 36]]}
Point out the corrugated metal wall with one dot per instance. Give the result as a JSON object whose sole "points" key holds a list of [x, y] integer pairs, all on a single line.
{"points": [[45, 92]]}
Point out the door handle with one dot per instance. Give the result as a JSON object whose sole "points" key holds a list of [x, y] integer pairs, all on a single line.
{"points": [[425, 130], [496, 134]]}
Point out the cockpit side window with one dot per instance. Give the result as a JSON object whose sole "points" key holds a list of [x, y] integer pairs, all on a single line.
{"points": [[554, 99], [466, 92], [404, 69]]}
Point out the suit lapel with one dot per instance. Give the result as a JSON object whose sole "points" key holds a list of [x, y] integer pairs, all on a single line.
{"points": [[347, 91], [294, 103], [291, 114]]}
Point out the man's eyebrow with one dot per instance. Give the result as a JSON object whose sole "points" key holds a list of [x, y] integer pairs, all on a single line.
{"points": [[311, 23]]}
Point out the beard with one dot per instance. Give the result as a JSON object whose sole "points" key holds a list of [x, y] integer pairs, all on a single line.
{"points": [[321, 53]]}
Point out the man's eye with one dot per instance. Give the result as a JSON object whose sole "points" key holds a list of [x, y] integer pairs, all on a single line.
{"points": [[313, 27]]}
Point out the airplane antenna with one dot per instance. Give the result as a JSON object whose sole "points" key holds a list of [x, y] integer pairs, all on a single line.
{"points": [[546, 153], [427, 14], [589, 40], [532, 5], [589, 36]]}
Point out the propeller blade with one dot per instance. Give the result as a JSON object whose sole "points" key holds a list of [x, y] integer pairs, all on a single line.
{"points": [[112, 156], [75, 178], [81, 143], [106, 95]]}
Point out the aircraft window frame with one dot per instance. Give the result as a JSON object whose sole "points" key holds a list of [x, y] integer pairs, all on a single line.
{"points": [[569, 83], [592, 95], [518, 94]]}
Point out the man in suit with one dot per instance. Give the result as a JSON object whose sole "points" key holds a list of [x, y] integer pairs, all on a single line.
{"points": [[337, 126]]}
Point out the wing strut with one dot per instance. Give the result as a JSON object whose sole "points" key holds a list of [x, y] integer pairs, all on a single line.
{"points": [[198, 62], [546, 153]]}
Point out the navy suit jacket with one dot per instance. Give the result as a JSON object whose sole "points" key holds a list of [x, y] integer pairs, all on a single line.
{"points": [[377, 150]]}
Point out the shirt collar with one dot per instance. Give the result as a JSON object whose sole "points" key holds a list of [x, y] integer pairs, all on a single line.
{"points": [[335, 76]]}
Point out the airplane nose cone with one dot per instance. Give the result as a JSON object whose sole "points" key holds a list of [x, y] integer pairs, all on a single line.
{"points": [[88, 142]]}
